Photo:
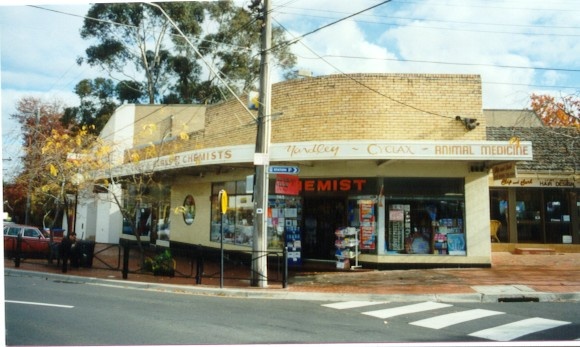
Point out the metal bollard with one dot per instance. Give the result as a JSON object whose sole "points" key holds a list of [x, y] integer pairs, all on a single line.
{"points": [[125, 260], [18, 248], [199, 265], [285, 276]]}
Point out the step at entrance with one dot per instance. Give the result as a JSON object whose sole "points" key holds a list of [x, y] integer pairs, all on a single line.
{"points": [[545, 251]]}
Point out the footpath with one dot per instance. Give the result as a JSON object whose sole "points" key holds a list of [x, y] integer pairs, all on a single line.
{"points": [[512, 277]]}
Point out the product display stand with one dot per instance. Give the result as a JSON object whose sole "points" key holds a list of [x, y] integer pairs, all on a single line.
{"points": [[347, 243]]}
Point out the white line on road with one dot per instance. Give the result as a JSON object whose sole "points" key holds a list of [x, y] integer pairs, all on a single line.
{"points": [[397, 311], [37, 304], [352, 304], [443, 321], [508, 332]]}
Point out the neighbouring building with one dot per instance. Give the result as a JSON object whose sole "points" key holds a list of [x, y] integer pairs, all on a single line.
{"points": [[388, 170], [538, 203]]}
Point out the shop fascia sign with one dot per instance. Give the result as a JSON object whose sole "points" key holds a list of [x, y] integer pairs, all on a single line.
{"points": [[409, 150], [536, 182], [344, 150]]}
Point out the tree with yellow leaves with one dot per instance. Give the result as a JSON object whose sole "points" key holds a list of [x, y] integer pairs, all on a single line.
{"points": [[45, 174], [563, 112]]}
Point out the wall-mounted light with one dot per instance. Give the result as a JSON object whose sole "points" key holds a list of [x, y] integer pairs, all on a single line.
{"points": [[477, 167], [470, 123]]}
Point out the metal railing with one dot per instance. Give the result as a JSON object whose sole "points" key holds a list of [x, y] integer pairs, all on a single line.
{"points": [[115, 257], [197, 258]]}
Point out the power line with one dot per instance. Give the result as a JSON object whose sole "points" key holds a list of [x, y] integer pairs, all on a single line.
{"points": [[453, 63], [125, 25], [308, 13], [453, 29], [343, 19], [462, 4], [366, 86]]}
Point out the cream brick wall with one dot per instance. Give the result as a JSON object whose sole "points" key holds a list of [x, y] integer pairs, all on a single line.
{"points": [[346, 107], [359, 106], [154, 122]]}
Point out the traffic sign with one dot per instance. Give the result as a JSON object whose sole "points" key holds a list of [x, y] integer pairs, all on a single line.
{"points": [[290, 170]]}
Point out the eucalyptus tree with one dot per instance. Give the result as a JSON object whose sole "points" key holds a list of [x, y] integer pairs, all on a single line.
{"points": [[179, 52]]}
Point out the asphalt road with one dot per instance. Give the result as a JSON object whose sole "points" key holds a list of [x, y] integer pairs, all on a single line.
{"points": [[50, 312]]}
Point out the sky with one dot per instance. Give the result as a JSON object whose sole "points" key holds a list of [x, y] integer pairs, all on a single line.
{"points": [[518, 47]]}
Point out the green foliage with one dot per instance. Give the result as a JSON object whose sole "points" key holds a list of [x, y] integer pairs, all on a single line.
{"points": [[162, 264], [139, 36], [98, 102]]}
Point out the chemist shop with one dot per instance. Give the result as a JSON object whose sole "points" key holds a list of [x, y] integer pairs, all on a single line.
{"points": [[392, 217]]}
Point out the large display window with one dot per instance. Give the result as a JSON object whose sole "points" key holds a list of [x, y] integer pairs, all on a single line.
{"points": [[149, 210], [541, 215], [238, 221], [283, 225], [425, 216]]}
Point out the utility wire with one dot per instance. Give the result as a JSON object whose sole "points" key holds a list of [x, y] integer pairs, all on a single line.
{"points": [[309, 11], [454, 63], [453, 29], [176, 27], [350, 77], [126, 25], [327, 25], [343, 19]]}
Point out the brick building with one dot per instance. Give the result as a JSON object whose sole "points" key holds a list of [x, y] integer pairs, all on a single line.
{"points": [[540, 208], [383, 169]]}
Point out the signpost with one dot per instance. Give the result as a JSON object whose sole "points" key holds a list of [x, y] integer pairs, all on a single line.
{"points": [[223, 203], [288, 170]]}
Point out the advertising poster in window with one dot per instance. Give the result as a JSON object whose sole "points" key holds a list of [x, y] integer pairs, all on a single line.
{"points": [[367, 224], [287, 184]]}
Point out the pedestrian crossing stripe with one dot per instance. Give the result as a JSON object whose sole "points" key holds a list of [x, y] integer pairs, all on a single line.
{"points": [[508, 332], [352, 304], [443, 321], [415, 308]]}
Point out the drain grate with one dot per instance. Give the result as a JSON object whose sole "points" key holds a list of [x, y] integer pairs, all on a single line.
{"points": [[519, 299]]}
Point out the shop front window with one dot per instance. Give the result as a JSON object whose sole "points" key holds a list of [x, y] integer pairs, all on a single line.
{"points": [[558, 226], [425, 216], [528, 210], [237, 223], [499, 208], [147, 211], [284, 225]]}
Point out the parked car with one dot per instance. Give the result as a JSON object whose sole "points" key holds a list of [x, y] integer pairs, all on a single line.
{"points": [[34, 241]]}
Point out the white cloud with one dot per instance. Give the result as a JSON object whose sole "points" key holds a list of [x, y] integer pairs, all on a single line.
{"points": [[39, 47], [468, 37]]}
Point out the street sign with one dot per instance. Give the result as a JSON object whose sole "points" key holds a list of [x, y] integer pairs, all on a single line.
{"points": [[289, 170], [223, 198]]}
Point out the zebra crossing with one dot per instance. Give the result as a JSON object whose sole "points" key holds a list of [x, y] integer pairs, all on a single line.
{"points": [[502, 332]]}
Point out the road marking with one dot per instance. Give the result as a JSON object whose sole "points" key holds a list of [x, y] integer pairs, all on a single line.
{"points": [[443, 321], [514, 330], [352, 304], [397, 311], [37, 304]]}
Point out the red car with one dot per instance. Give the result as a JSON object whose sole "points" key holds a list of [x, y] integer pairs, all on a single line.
{"points": [[34, 241]]}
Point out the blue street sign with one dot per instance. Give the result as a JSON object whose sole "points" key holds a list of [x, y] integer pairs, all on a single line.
{"points": [[290, 170]]}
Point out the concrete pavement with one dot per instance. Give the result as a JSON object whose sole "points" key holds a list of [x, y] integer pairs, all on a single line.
{"points": [[512, 277]]}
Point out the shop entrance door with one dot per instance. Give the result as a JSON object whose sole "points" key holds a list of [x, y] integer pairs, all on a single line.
{"points": [[322, 216]]}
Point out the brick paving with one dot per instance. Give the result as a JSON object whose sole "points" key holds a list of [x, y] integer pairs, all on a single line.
{"points": [[549, 273]]}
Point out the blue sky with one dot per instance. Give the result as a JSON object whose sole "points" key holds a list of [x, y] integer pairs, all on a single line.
{"points": [[518, 47]]}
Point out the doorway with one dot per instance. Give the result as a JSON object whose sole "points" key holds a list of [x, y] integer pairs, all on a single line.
{"points": [[322, 216]]}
